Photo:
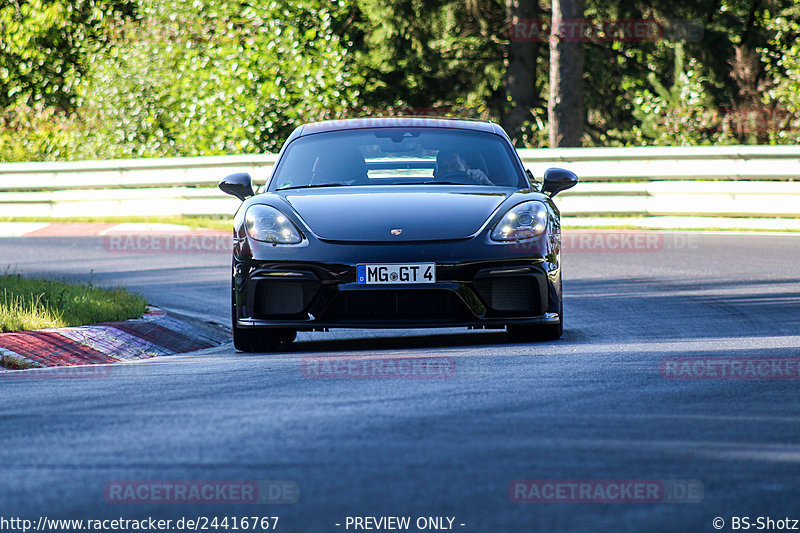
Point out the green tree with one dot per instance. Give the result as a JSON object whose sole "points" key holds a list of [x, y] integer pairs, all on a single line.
{"points": [[419, 55], [683, 114], [565, 108], [521, 81], [781, 115], [45, 44], [45, 50], [131, 78], [216, 76]]}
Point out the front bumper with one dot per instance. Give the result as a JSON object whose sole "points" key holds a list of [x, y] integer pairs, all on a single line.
{"points": [[317, 296]]}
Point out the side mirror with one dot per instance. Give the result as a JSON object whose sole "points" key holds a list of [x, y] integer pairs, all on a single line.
{"points": [[557, 180], [239, 185]]}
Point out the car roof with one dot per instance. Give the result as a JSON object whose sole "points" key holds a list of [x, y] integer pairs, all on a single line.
{"points": [[395, 122]]}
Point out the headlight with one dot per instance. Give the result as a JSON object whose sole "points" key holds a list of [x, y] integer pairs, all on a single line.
{"points": [[523, 221], [267, 224]]}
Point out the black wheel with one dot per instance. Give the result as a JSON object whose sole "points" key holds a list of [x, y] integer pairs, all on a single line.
{"points": [[258, 339], [546, 332], [262, 340]]}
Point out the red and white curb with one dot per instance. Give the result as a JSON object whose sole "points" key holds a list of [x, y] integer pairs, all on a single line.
{"points": [[156, 333]]}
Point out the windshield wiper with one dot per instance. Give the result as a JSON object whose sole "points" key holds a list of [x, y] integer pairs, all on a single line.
{"points": [[432, 183], [312, 186]]}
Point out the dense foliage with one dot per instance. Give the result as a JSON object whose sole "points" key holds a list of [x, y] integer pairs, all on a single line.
{"points": [[147, 78]]}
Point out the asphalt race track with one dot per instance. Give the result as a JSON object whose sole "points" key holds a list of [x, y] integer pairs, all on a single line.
{"points": [[596, 405]]}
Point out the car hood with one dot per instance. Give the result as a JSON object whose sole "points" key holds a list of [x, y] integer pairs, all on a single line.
{"points": [[420, 213]]}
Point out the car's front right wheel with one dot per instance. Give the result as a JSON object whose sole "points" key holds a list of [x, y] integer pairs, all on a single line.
{"points": [[546, 332]]}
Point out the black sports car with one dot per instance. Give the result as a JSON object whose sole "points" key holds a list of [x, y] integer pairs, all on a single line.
{"points": [[396, 222]]}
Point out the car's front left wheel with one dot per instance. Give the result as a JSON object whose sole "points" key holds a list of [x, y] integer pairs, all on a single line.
{"points": [[258, 339], [262, 340]]}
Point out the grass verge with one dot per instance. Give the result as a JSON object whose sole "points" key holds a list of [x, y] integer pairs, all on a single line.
{"points": [[12, 363], [28, 304]]}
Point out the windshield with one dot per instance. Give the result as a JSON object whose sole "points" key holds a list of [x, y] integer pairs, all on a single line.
{"points": [[397, 156]]}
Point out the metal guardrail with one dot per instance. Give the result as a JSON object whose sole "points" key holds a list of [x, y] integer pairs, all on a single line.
{"points": [[671, 163], [754, 181], [130, 173]]}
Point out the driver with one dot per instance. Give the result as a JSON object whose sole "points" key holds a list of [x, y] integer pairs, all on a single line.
{"points": [[451, 162]]}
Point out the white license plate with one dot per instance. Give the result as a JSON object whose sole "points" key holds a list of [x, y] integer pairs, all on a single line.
{"points": [[393, 274]]}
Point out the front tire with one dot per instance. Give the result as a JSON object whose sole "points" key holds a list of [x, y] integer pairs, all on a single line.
{"points": [[547, 332], [252, 340]]}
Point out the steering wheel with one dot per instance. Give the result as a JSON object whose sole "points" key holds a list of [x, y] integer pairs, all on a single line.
{"points": [[456, 175]]}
